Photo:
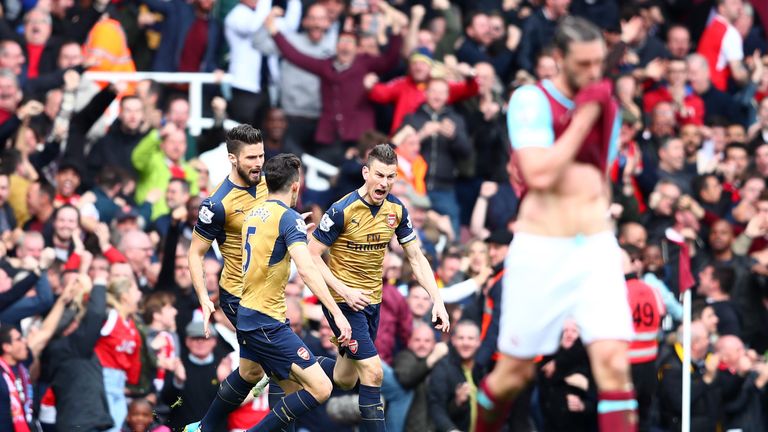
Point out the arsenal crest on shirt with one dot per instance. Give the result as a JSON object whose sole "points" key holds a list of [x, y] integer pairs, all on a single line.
{"points": [[353, 346], [391, 220], [303, 353]]}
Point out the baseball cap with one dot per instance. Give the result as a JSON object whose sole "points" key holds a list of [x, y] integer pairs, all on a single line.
{"points": [[419, 201], [627, 117], [195, 330], [500, 237]]}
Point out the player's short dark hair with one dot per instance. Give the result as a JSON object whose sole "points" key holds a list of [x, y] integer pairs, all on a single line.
{"points": [[725, 275], [763, 195], [575, 29], [242, 135], [281, 171], [383, 153]]}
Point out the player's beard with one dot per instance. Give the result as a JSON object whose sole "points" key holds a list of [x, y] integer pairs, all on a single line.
{"points": [[245, 175], [570, 79]]}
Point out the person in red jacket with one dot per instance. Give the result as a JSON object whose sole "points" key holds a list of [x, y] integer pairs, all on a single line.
{"points": [[119, 346], [408, 92], [722, 45], [689, 108], [346, 110]]}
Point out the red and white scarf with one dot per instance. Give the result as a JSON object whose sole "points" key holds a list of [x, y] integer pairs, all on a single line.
{"points": [[18, 414]]}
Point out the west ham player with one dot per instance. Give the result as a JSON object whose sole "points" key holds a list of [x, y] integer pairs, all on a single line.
{"points": [[564, 260], [357, 229], [221, 219], [274, 234]]}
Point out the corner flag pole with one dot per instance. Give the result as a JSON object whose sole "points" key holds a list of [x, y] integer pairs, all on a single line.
{"points": [[686, 408]]}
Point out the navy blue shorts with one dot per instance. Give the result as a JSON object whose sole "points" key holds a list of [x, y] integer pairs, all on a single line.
{"points": [[365, 324], [229, 304], [275, 347]]}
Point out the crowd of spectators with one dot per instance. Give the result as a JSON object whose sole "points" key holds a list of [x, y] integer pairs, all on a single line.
{"points": [[100, 185]]}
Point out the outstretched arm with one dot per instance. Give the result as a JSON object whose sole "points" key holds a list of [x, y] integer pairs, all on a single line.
{"points": [[424, 275]]}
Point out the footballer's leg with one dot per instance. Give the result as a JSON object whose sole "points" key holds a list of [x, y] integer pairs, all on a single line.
{"points": [[231, 394], [499, 389], [345, 374], [360, 360], [312, 388], [371, 408], [617, 407], [605, 323], [368, 364]]}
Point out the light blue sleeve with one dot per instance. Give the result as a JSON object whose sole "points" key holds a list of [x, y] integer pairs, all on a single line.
{"points": [[613, 147], [674, 308], [529, 119]]}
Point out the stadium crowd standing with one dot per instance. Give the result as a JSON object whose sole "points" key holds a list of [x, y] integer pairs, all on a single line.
{"points": [[99, 324]]}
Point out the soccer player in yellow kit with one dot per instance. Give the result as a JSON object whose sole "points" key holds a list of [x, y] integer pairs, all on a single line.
{"points": [[357, 229], [274, 234], [221, 218]]}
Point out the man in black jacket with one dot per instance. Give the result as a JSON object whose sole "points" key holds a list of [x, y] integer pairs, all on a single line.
{"points": [[454, 380], [444, 142], [193, 383], [70, 364], [412, 367], [705, 389], [538, 31], [116, 147], [743, 382]]}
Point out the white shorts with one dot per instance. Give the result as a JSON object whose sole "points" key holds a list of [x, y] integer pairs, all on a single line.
{"points": [[549, 279]]}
